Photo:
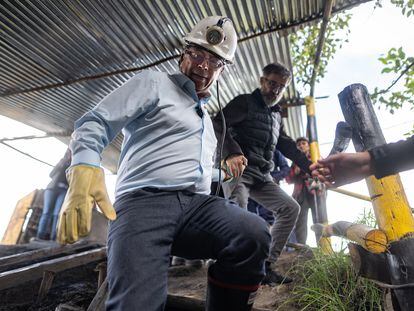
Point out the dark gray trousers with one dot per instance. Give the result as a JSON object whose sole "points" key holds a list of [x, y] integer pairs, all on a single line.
{"points": [[152, 225], [301, 228], [272, 197]]}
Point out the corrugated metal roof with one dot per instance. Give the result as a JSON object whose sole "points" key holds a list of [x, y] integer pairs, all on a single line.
{"points": [[60, 58]]}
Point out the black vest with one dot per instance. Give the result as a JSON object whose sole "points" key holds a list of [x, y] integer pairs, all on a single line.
{"points": [[257, 135]]}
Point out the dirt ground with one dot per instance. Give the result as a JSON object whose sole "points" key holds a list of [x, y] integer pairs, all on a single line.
{"points": [[77, 287], [191, 282]]}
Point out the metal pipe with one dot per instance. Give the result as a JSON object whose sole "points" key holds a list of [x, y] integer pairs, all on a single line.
{"points": [[47, 135]]}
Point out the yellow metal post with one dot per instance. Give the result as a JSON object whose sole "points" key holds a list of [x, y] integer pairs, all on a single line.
{"points": [[322, 216], [391, 207], [390, 204]]}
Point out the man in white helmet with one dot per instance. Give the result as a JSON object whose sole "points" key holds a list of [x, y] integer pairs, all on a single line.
{"points": [[162, 204]]}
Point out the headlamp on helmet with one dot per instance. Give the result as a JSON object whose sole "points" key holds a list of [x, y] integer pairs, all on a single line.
{"points": [[215, 34]]}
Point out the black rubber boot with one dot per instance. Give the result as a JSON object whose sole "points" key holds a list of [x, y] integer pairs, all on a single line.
{"points": [[229, 297], [272, 278]]}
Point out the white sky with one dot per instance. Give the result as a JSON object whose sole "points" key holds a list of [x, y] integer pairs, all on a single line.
{"points": [[373, 32]]}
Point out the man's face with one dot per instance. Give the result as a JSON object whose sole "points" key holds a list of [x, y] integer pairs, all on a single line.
{"points": [[303, 146], [202, 67], [272, 87]]}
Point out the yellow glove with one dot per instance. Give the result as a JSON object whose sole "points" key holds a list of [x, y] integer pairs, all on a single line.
{"points": [[86, 186]]}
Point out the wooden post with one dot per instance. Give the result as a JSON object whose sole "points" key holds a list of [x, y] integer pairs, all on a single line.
{"points": [[47, 280], [320, 203], [98, 302], [351, 194], [101, 269], [387, 194]]}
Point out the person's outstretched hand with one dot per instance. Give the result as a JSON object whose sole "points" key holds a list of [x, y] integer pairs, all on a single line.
{"points": [[235, 165], [342, 168], [86, 186]]}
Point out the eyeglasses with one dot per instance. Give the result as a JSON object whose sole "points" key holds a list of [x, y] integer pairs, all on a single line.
{"points": [[274, 84], [199, 57]]}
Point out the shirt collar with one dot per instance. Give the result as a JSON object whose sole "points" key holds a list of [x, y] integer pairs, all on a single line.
{"points": [[188, 86]]}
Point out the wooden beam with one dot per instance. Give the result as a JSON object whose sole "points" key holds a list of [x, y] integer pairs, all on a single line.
{"points": [[390, 203], [14, 228], [8, 262], [321, 41], [372, 239], [16, 277], [351, 194]]}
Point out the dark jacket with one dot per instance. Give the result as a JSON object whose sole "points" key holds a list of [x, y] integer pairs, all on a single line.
{"points": [[393, 158], [58, 174], [255, 131]]}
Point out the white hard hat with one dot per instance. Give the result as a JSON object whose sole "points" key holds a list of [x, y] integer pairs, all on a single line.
{"points": [[215, 34]]}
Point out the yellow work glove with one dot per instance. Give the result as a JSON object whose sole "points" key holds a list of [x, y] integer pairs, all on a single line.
{"points": [[86, 186]]}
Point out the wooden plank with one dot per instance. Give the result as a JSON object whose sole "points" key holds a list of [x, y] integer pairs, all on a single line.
{"points": [[37, 254], [372, 239], [14, 228], [32, 272], [98, 302], [48, 277]]}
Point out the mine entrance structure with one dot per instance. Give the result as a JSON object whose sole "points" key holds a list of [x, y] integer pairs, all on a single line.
{"points": [[386, 254]]}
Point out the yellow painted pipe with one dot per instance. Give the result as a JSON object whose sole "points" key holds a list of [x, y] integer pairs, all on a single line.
{"points": [[391, 207], [313, 145], [324, 242]]}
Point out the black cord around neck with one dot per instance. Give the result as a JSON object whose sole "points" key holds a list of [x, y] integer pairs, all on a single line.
{"points": [[221, 142]]}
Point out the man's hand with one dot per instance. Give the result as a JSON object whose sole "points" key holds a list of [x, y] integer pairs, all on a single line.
{"points": [[236, 165], [86, 186], [343, 168]]}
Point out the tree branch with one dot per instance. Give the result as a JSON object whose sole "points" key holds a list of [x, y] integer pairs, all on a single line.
{"points": [[395, 81]]}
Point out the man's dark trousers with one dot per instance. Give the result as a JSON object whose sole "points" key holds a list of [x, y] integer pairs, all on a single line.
{"points": [[152, 225]]}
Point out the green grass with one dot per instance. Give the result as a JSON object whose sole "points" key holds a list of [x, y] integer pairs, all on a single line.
{"points": [[329, 283]]}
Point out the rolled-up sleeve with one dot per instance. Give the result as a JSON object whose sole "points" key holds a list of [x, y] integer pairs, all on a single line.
{"points": [[98, 127]]}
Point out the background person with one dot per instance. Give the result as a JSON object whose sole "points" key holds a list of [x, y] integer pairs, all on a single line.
{"points": [[255, 131], [53, 198], [303, 193], [279, 173]]}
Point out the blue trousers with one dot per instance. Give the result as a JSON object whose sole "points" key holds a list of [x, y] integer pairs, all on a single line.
{"points": [[52, 202], [152, 225]]}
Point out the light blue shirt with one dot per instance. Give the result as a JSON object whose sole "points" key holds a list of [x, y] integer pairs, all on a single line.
{"points": [[167, 145]]}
